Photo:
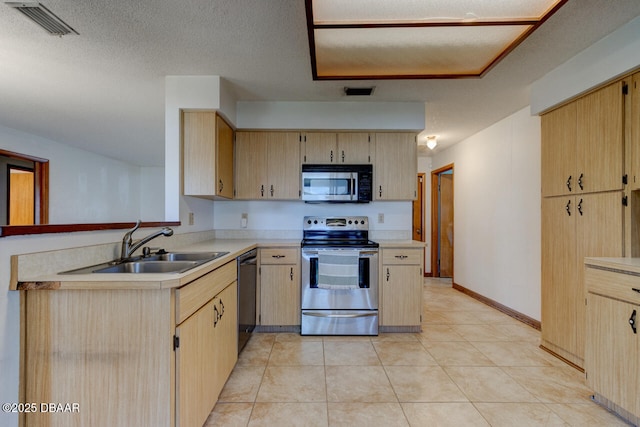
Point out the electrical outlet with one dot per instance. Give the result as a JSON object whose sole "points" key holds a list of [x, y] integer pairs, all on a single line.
{"points": [[191, 218], [244, 220], [380, 218]]}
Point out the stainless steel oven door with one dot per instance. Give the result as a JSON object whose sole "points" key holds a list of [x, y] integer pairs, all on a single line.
{"points": [[329, 186], [364, 298]]}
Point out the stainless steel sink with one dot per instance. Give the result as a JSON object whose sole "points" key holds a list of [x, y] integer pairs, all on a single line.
{"points": [[150, 267], [185, 256], [165, 262]]}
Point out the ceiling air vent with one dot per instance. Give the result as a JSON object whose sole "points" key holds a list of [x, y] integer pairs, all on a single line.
{"points": [[42, 16], [358, 91]]}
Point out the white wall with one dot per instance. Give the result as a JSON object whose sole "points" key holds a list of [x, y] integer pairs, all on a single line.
{"points": [[497, 212], [285, 218], [85, 187]]}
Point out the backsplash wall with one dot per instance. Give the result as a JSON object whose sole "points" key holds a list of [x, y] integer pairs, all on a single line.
{"points": [[284, 218]]}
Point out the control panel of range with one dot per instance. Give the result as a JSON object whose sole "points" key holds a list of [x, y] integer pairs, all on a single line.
{"points": [[336, 223]]}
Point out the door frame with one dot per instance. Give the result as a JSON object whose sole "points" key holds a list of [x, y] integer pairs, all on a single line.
{"points": [[435, 212]]}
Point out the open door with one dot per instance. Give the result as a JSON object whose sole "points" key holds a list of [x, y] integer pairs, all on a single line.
{"points": [[442, 241]]}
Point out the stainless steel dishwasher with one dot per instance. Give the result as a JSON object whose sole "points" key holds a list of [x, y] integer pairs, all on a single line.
{"points": [[247, 275]]}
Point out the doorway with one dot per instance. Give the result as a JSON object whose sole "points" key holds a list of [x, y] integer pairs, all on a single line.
{"points": [[418, 211], [442, 241]]}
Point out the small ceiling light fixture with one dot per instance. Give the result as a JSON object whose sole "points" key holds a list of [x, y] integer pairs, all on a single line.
{"points": [[42, 16], [432, 142]]}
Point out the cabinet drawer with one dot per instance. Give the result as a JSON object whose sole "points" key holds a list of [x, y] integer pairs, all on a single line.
{"points": [[279, 256], [402, 256], [612, 284], [191, 297]]}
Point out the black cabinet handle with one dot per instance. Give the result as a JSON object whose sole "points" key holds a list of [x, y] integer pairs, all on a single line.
{"points": [[221, 186], [271, 190], [277, 256], [569, 183], [342, 156], [331, 156], [632, 322], [221, 308], [580, 181], [291, 274], [402, 256], [388, 274], [381, 191], [262, 191], [580, 207], [216, 316], [636, 290], [568, 208]]}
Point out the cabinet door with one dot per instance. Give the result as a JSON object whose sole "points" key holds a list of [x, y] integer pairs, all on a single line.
{"points": [[251, 161], [600, 154], [599, 233], [561, 289], [195, 371], [401, 295], [207, 155], [225, 330], [283, 154], [396, 166], [611, 359], [224, 159], [319, 148], [634, 91], [279, 295], [559, 133], [354, 148]]}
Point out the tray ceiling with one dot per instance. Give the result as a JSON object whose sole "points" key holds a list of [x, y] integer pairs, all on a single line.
{"points": [[406, 39]]}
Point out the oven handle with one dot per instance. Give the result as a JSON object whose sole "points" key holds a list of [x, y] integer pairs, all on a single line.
{"points": [[315, 252], [343, 316]]}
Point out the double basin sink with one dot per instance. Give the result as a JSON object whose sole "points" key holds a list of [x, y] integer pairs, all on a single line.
{"points": [[161, 262]]}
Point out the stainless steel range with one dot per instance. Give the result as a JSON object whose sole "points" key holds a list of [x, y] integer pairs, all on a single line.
{"points": [[339, 277]]}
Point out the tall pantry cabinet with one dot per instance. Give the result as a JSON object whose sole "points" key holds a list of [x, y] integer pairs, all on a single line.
{"points": [[583, 146]]}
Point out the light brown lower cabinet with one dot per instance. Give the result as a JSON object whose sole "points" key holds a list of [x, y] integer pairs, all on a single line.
{"points": [[401, 281], [612, 356], [129, 357], [279, 277]]}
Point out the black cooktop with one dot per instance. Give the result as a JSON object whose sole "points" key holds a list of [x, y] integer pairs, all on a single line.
{"points": [[338, 243]]}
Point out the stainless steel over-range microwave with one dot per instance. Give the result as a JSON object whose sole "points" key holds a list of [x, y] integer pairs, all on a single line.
{"points": [[337, 183]]}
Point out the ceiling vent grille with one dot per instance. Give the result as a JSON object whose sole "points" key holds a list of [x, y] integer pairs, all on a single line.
{"points": [[358, 91], [42, 16]]}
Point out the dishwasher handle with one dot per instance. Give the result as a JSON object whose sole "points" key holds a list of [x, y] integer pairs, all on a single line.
{"points": [[248, 258]]}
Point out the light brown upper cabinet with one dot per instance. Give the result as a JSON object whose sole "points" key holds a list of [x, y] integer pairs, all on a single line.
{"points": [[267, 165], [336, 148], [583, 144], [396, 166], [207, 155]]}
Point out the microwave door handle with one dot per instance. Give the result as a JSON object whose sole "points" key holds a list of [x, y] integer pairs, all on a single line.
{"points": [[354, 190]]}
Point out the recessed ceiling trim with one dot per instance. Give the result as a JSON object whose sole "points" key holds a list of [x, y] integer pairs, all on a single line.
{"points": [[39, 14], [530, 24]]}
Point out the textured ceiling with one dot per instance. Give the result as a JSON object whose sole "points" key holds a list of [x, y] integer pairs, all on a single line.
{"points": [[104, 89]]}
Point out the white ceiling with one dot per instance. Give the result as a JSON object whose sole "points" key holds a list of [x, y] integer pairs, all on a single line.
{"points": [[103, 90]]}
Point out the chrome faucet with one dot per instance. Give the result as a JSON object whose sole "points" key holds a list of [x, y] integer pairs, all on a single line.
{"points": [[128, 247]]}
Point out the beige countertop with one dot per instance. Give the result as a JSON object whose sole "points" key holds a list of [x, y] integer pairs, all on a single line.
{"points": [[96, 281], [235, 247]]}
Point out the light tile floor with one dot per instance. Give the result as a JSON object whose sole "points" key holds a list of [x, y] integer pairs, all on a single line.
{"points": [[470, 366]]}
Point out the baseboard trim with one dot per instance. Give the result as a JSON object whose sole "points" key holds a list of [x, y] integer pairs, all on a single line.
{"points": [[535, 324], [564, 359]]}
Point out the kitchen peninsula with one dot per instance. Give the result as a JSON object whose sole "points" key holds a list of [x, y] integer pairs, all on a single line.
{"points": [[130, 349]]}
